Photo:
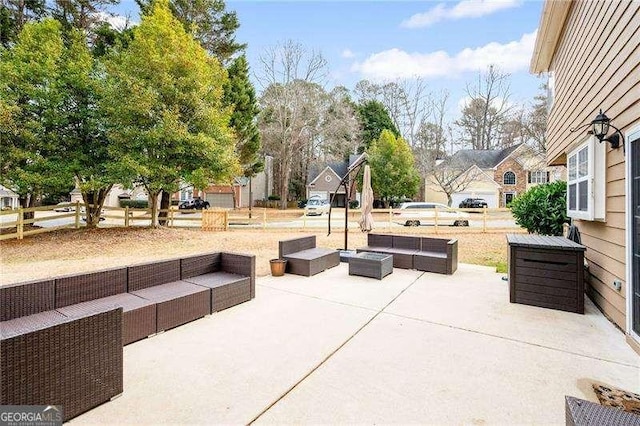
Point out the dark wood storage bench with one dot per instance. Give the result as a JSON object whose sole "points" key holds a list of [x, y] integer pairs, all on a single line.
{"points": [[547, 272]]}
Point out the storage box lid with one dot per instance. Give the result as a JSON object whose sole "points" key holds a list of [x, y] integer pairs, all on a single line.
{"points": [[543, 241]]}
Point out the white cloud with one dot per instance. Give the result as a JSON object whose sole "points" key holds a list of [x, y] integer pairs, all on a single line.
{"points": [[117, 22], [396, 63], [463, 9], [347, 54]]}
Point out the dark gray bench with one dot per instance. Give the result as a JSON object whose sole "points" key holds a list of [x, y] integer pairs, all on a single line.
{"points": [[428, 254], [304, 258]]}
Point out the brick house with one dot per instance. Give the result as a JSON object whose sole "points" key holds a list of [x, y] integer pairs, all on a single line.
{"points": [[502, 175]]}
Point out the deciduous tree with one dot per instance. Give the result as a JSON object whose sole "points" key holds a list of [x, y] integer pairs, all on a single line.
{"points": [[207, 21], [486, 110], [167, 119], [289, 76]]}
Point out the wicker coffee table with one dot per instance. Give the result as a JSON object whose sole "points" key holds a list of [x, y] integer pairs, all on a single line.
{"points": [[372, 265]]}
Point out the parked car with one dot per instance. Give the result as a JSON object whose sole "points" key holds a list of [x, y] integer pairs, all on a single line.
{"points": [[415, 214], [194, 204], [64, 207], [316, 207], [473, 203]]}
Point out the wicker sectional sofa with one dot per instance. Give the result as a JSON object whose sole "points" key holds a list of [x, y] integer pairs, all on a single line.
{"points": [[304, 258], [428, 254], [61, 339]]}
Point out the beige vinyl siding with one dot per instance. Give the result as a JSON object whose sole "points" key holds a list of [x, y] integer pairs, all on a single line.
{"points": [[596, 65]]}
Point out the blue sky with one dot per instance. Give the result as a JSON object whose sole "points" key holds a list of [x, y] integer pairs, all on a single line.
{"points": [[446, 42]]}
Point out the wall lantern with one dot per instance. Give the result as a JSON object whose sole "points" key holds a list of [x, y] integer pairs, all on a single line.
{"points": [[600, 127]]}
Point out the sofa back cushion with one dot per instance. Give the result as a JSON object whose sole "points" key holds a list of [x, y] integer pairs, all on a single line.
{"points": [[406, 242], [379, 240], [22, 299], [295, 245], [438, 245], [94, 285], [152, 274], [200, 265]]}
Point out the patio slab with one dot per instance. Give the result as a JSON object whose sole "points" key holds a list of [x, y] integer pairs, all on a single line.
{"points": [[477, 299], [400, 370], [228, 367], [333, 348]]}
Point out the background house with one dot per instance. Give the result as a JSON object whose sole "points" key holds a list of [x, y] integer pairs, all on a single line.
{"points": [[239, 194], [497, 175], [324, 181], [592, 52], [8, 198]]}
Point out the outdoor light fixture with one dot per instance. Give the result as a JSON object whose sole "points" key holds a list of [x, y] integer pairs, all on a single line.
{"points": [[600, 127]]}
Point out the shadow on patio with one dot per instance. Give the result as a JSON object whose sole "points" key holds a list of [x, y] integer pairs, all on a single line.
{"points": [[413, 348]]}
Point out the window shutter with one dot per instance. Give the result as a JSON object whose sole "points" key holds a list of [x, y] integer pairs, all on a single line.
{"points": [[529, 173], [548, 174]]}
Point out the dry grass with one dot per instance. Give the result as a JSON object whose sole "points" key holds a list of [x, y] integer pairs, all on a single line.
{"points": [[71, 251]]}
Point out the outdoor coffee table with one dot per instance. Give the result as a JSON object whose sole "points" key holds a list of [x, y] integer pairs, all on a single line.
{"points": [[373, 265]]}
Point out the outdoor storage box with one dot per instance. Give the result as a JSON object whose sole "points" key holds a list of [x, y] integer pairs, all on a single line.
{"points": [[547, 272]]}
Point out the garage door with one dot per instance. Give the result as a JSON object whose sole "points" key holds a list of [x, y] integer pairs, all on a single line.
{"points": [[220, 200], [490, 198]]}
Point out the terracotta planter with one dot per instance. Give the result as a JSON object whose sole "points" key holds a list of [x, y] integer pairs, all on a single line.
{"points": [[277, 267]]}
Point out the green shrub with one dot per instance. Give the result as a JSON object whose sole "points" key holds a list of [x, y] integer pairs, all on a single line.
{"points": [[134, 204], [274, 197], [354, 204], [542, 209]]}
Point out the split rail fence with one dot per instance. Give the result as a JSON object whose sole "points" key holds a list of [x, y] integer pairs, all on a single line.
{"points": [[16, 224]]}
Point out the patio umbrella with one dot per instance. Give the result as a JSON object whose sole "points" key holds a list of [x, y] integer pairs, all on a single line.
{"points": [[366, 221]]}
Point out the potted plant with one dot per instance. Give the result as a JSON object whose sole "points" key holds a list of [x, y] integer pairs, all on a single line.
{"points": [[278, 267]]}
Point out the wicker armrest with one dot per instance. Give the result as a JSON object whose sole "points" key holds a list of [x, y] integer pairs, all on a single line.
{"points": [[76, 362]]}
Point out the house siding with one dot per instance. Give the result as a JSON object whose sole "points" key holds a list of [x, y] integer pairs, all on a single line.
{"points": [[596, 65]]}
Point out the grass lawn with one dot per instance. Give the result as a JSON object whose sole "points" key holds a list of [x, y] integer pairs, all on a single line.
{"points": [[73, 251]]}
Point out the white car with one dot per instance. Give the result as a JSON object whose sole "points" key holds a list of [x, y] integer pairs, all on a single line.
{"points": [[415, 214], [316, 207]]}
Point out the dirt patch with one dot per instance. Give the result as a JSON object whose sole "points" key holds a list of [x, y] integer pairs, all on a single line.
{"points": [[72, 251]]}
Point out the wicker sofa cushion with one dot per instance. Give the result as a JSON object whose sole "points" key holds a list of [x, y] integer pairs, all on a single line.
{"points": [[310, 254], [216, 279]]}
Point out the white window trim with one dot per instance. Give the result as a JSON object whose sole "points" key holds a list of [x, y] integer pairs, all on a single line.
{"points": [[630, 135], [540, 176], [515, 178], [596, 187]]}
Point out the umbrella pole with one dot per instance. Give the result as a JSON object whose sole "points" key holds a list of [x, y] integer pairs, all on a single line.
{"points": [[346, 215]]}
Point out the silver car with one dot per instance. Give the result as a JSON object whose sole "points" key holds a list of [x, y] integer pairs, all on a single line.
{"points": [[416, 214]]}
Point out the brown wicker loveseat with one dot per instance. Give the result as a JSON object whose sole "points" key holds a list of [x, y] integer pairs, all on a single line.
{"points": [[304, 258], [411, 252], [61, 339]]}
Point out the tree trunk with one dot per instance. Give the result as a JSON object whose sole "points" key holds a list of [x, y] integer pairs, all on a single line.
{"points": [[94, 201], [28, 201], [153, 201], [165, 204]]}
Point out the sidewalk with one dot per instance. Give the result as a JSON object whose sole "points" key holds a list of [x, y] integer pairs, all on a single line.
{"points": [[413, 348]]}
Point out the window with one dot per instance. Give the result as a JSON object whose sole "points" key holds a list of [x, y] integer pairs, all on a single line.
{"points": [[586, 181], [538, 176], [509, 178], [186, 194]]}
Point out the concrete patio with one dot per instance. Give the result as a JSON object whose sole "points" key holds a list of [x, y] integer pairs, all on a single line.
{"points": [[413, 348]]}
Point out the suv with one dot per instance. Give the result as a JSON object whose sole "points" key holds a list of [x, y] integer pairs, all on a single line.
{"points": [[473, 203], [316, 206], [194, 204], [415, 214]]}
